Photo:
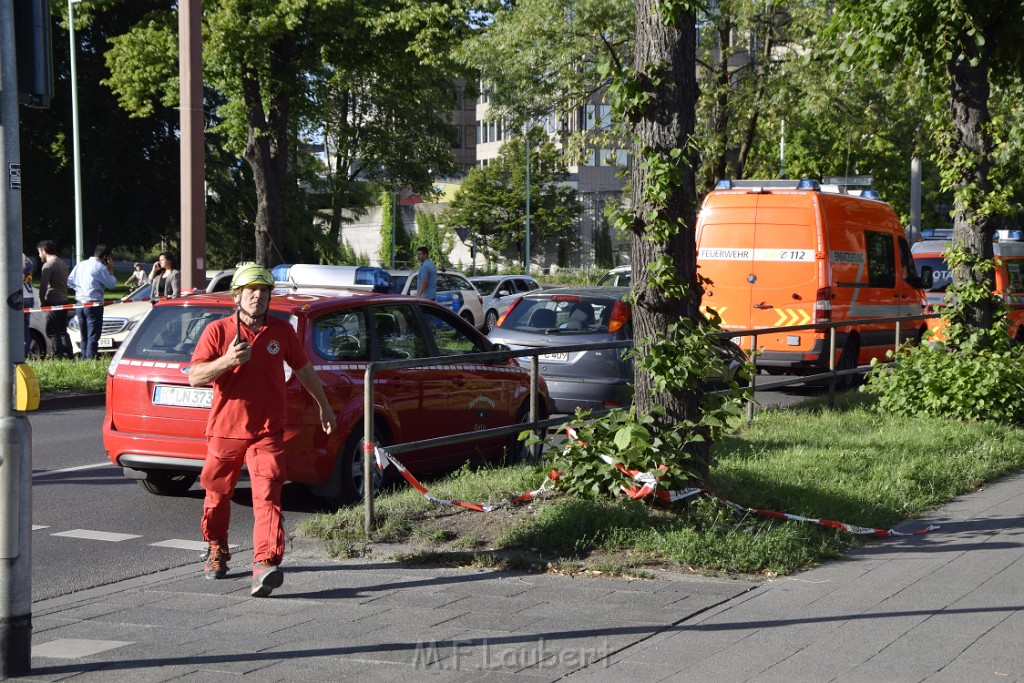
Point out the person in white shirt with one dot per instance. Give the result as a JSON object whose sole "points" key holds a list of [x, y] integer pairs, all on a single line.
{"points": [[90, 278]]}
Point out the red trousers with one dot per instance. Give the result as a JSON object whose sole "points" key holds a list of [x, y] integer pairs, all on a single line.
{"points": [[264, 458]]}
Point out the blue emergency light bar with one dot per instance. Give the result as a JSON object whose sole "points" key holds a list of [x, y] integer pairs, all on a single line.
{"points": [[368, 278]]}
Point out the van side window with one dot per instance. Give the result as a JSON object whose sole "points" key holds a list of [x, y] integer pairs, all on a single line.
{"points": [[907, 261], [881, 259]]}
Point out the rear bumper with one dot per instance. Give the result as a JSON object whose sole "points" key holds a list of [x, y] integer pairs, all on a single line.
{"points": [[588, 394]]}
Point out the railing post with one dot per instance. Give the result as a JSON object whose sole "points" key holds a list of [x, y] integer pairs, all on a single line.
{"points": [[368, 448], [898, 335], [753, 378], [832, 367], [534, 392]]}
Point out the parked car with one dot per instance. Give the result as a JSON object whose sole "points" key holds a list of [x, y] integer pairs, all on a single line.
{"points": [[119, 319], [588, 380], [39, 344], [499, 291], [620, 276], [454, 291], [154, 422]]}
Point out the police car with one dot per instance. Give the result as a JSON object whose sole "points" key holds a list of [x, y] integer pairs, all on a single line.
{"points": [[154, 422], [454, 291]]}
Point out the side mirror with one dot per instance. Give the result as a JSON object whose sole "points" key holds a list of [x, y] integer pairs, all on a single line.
{"points": [[501, 347], [501, 293], [926, 279]]}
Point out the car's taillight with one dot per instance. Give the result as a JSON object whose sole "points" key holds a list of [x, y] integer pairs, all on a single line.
{"points": [[621, 313], [507, 311], [823, 305]]}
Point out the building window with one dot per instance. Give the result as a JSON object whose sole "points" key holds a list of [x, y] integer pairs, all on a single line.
{"points": [[471, 135]]}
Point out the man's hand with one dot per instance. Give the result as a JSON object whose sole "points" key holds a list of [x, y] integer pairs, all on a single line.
{"points": [[239, 353], [327, 419]]}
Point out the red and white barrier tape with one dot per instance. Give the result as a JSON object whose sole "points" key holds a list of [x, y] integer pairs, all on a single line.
{"points": [[87, 304], [647, 484], [384, 459]]}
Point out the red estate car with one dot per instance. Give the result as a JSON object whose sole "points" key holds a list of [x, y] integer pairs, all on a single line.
{"points": [[154, 420]]}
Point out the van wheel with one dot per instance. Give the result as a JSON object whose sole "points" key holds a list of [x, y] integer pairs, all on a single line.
{"points": [[848, 361], [168, 482], [351, 470], [490, 320]]}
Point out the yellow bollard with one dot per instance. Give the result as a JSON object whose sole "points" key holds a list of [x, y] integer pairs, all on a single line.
{"points": [[26, 388]]}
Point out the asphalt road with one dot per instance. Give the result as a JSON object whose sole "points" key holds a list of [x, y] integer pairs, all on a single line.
{"points": [[91, 526]]}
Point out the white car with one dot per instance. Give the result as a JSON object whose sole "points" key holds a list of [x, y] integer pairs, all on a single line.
{"points": [[499, 291], [454, 291]]}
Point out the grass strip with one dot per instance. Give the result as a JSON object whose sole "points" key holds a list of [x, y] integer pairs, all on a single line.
{"points": [[62, 376]]}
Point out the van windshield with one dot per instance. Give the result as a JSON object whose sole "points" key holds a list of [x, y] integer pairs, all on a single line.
{"points": [[942, 276]]}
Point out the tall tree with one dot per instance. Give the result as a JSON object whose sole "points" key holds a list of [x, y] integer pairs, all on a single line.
{"points": [[272, 67], [966, 46], [492, 200]]}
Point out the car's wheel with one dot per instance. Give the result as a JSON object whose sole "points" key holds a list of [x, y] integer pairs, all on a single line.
{"points": [[468, 317], [36, 345], [490, 320], [517, 451], [168, 482], [848, 361], [351, 469]]}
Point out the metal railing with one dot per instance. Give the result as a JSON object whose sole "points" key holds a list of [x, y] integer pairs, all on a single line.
{"points": [[534, 354]]}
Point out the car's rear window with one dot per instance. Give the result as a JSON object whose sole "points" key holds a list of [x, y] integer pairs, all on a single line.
{"points": [[170, 333], [561, 314]]}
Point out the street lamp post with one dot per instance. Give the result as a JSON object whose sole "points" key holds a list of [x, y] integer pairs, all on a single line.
{"points": [[79, 246], [527, 260]]}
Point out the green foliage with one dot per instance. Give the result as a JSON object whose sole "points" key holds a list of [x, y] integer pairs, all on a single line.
{"points": [[492, 200], [62, 376], [972, 374], [646, 443], [439, 240], [604, 254]]}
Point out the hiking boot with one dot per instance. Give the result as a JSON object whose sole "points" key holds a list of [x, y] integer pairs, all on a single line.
{"points": [[265, 578], [217, 557]]}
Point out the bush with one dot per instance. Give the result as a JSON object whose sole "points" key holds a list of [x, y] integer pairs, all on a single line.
{"points": [[972, 374]]}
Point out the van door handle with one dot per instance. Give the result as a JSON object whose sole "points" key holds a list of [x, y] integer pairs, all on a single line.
{"points": [[763, 306]]}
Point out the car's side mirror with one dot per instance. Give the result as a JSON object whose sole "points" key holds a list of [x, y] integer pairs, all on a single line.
{"points": [[501, 347], [927, 279], [501, 293]]}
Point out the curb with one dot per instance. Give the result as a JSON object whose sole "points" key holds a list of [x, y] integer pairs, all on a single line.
{"points": [[71, 401]]}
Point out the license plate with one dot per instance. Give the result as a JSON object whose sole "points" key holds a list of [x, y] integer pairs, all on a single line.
{"points": [[561, 357], [186, 397], [106, 343]]}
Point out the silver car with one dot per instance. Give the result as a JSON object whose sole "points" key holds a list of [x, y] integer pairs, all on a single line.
{"points": [[454, 291], [499, 291], [589, 380]]}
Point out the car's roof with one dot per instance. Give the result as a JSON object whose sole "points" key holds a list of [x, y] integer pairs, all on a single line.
{"points": [[295, 300], [492, 278], [604, 292]]}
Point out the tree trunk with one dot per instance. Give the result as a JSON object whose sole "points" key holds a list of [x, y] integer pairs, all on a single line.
{"points": [[266, 152], [972, 142], [666, 124]]}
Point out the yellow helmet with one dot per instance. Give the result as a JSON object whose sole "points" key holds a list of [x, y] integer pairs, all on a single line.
{"points": [[249, 274]]}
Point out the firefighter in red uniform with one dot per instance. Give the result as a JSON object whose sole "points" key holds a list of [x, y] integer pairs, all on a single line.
{"points": [[243, 356]]}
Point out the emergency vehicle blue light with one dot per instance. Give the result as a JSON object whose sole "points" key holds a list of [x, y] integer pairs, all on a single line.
{"points": [[378, 278], [871, 194], [808, 184], [724, 184]]}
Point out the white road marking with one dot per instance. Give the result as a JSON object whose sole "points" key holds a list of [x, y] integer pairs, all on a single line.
{"points": [[50, 473], [96, 535], [37, 527], [186, 544], [74, 648]]}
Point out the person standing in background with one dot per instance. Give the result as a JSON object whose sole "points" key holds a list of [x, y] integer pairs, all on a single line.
{"points": [[53, 291], [427, 286], [137, 278], [28, 301], [165, 277], [90, 278]]}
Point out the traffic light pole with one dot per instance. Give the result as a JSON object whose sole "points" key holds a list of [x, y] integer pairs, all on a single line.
{"points": [[15, 432]]}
